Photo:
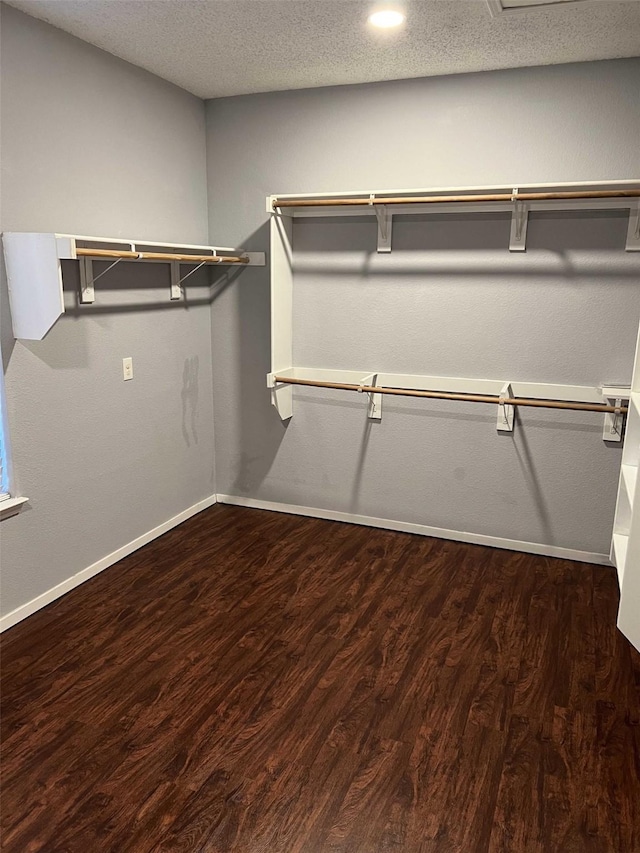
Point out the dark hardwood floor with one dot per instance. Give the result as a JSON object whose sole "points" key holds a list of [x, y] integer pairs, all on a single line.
{"points": [[258, 682]]}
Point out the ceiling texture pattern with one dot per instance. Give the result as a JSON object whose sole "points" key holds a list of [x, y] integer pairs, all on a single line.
{"points": [[217, 48]]}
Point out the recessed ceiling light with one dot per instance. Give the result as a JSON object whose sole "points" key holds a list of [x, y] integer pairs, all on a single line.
{"points": [[386, 18]]}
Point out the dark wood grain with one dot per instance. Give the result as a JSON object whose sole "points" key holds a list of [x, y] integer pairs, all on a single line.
{"points": [[258, 682]]}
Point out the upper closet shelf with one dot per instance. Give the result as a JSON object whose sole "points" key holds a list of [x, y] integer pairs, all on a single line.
{"points": [[519, 200], [34, 270]]}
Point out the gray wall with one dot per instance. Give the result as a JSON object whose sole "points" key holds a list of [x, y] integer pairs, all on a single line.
{"points": [[93, 145], [450, 300]]}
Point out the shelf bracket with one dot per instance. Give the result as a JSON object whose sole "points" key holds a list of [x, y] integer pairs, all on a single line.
{"points": [[374, 409], [385, 226], [281, 397], [176, 281], [613, 421], [87, 292], [519, 222], [88, 279], [505, 412], [176, 290], [633, 232]]}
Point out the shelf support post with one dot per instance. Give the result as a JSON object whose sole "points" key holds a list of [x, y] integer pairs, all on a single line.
{"points": [[281, 311]]}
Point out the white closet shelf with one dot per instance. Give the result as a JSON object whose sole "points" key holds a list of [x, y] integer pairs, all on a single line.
{"points": [[519, 200], [505, 394], [34, 269]]}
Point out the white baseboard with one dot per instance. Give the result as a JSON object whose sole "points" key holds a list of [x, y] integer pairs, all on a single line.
{"points": [[67, 585], [422, 530]]}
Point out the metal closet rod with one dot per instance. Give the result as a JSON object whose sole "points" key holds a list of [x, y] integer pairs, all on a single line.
{"points": [[162, 256], [440, 199], [469, 398]]}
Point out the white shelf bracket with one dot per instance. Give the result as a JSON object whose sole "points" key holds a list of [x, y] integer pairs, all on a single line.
{"points": [[633, 232], [505, 412], [519, 222], [281, 396], [385, 226], [374, 408], [87, 292], [613, 421], [176, 290], [88, 279]]}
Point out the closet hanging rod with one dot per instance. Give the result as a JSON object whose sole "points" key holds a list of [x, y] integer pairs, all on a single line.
{"points": [[162, 256], [372, 198], [446, 395]]}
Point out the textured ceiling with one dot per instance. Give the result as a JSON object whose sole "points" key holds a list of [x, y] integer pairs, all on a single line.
{"points": [[216, 48]]}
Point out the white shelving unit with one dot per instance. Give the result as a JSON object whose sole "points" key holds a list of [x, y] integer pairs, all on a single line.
{"points": [[285, 208], [34, 270], [625, 545]]}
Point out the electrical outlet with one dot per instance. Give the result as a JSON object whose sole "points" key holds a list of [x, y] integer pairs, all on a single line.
{"points": [[127, 368]]}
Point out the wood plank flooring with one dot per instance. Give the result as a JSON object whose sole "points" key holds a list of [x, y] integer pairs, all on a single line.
{"points": [[258, 682]]}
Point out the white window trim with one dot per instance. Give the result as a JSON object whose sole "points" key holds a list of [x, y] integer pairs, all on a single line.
{"points": [[9, 505]]}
